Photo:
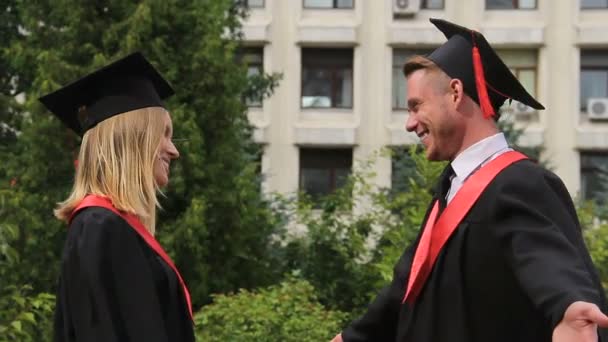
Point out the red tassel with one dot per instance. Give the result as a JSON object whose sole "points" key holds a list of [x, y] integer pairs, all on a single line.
{"points": [[480, 83]]}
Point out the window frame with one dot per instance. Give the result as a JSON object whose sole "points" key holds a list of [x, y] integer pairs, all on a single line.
{"points": [[517, 70], [333, 70], [334, 6], [508, 54], [591, 66], [413, 52], [424, 5], [583, 106], [586, 170], [331, 164], [263, 5], [250, 50], [515, 7], [593, 8]]}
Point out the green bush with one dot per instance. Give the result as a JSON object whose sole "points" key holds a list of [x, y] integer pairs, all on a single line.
{"points": [[352, 238], [596, 237], [285, 312], [25, 316]]}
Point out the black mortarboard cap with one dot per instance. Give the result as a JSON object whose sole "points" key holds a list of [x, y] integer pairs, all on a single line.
{"points": [[127, 84], [456, 58]]}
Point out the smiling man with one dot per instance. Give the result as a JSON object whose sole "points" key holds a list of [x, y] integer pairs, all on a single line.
{"points": [[500, 255]]}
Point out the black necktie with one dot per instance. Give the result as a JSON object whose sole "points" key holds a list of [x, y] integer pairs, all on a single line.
{"points": [[445, 181]]}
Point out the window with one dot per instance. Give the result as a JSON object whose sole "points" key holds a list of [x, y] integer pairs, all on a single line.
{"points": [[400, 56], [523, 64], [327, 78], [589, 4], [594, 177], [431, 4], [510, 4], [329, 3], [254, 58], [594, 75], [322, 171], [252, 3]]}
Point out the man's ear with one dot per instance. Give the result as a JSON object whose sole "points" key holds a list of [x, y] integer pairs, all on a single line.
{"points": [[456, 91]]}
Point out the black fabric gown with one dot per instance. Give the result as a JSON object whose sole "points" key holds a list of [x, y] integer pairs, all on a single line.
{"points": [[114, 287], [507, 274]]}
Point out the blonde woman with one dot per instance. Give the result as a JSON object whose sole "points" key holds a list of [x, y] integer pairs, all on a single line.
{"points": [[116, 282]]}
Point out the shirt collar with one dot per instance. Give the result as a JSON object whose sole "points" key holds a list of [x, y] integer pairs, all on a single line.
{"points": [[468, 160]]}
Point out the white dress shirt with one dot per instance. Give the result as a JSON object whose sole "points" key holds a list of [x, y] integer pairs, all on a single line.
{"points": [[474, 157]]}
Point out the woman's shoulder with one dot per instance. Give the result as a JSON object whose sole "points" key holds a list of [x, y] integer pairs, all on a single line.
{"points": [[98, 221]]}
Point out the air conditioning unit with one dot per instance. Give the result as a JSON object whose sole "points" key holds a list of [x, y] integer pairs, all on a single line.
{"points": [[405, 7], [597, 108]]}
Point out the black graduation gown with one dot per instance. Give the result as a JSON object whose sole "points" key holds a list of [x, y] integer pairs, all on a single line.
{"points": [[508, 272], [114, 287]]}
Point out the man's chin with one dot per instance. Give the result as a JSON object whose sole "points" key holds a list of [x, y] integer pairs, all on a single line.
{"points": [[431, 155]]}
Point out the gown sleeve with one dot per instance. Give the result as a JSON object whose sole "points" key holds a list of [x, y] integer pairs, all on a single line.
{"points": [[536, 227], [379, 322], [108, 281]]}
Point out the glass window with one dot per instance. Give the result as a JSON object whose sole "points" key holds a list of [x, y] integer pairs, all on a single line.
{"points": [[255, 3], [594, 83], [254, 58], [322, 171], [594, 75], [523, 64], [432, 4], [510, 4], [327, 78], [594, 4], [400, 56], [328, 3], [527, 4], [594, 177]]}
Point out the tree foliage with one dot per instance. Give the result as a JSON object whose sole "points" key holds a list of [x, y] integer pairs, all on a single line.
{"points": [[215, 222]]}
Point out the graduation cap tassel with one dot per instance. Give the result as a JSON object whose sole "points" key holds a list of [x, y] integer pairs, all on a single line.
{"points": [[480, 83]]}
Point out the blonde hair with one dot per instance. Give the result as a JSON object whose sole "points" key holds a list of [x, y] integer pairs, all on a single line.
{"points": [[116, 160]]}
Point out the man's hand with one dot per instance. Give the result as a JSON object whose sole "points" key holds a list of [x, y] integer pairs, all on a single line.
{"points": [[580, 323], [338, 338]]}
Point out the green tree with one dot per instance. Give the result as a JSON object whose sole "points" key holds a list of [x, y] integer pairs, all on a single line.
{"points": [[216, 224]]}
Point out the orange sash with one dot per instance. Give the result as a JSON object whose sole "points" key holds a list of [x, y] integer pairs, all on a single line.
{"points": [[437, 231], [135, 223]]}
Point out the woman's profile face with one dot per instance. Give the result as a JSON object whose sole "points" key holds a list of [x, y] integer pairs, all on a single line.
{"points": [[166, 153]]}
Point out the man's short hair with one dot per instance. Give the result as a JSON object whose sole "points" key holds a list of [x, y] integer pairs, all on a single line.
{"points": [[418, 62]]}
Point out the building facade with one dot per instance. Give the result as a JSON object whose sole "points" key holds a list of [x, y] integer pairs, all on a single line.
{"points": [[342, 93]]}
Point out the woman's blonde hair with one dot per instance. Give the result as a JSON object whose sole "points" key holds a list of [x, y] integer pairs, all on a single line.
{"points": [[116, 160]]}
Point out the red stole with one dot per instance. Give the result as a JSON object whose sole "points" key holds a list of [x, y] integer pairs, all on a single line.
{"points": [[437, 231], [135, 223]]}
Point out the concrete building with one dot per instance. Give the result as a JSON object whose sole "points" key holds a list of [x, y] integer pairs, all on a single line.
{"points": [[342, 95]]}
